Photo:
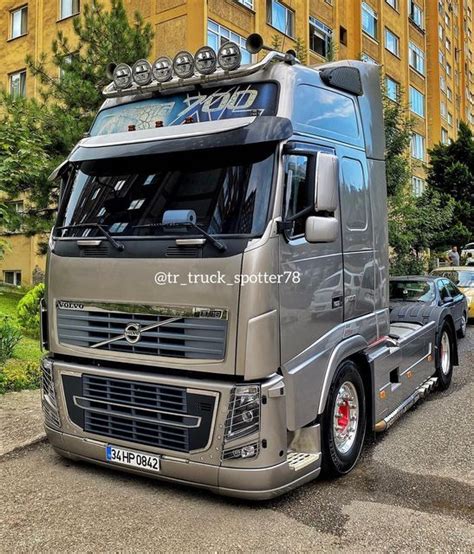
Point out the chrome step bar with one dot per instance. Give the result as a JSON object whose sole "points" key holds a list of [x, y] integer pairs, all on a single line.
{"points": [[419, 393]]}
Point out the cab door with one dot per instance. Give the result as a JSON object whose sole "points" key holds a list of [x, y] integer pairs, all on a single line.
{"points": [[311, 285]]}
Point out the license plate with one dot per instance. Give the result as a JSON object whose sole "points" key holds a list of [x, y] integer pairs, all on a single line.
{"points": [[132, 458]]}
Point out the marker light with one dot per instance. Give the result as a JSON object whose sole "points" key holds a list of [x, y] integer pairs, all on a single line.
{"points": [[183, 64], [229, 56], [162, 69], [141, 72], [205, 60], [122, 76]]}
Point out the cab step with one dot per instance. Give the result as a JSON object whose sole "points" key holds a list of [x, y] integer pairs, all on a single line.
{"points": [[299, 460], [419, 393]]}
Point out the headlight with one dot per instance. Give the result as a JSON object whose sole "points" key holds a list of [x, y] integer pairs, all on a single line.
{"points": [[141, 72], [122, 76], [163, 69], [243, 417], [229, 56], [183, 65], [205, 60]]}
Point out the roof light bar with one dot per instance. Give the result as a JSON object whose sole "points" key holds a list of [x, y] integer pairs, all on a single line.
{"points": [[141, 72], [229, 56], [205, 60], [183, 64]]}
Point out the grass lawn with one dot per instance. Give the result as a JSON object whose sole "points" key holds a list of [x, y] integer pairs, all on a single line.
{"points": [[21, 371]]}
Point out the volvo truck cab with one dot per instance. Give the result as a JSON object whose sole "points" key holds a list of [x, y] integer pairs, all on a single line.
{"points": [[217, 286]]}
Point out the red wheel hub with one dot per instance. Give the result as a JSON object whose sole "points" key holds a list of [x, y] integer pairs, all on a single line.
{"points": [[343, 415]]}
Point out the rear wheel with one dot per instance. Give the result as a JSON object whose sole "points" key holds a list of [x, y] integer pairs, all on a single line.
{"points": [[444, 364], [344, 421]]}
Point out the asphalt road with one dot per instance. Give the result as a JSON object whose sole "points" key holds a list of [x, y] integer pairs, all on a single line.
{"points": [[411, 492]]}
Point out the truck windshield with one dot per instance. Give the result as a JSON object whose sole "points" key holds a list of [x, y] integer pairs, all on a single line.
{"points": [[229, 189]]}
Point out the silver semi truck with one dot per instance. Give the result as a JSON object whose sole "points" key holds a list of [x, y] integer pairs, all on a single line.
{"points": [[217, 284]]}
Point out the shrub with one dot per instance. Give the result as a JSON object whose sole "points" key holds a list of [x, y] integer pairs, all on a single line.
{"points": [[17, 375], [10, 336], [28, 311]]}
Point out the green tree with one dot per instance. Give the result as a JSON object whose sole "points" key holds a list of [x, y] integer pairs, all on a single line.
{"points": [[301, 49], [36, 135], [451, 172]]}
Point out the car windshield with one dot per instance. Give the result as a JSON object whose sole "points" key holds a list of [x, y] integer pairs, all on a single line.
{"points": [[229, 190], [461, 278], [412, 291]]}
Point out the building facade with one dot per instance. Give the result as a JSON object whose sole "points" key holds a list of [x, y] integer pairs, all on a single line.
{"points": [[425, 47]]}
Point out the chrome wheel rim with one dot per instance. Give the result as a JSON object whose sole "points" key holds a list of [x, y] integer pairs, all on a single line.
{"points": [[345, 417], [445, 353], [463, 324]]}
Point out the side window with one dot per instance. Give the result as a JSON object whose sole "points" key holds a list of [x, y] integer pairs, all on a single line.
{"points": [[356, 195], [452, 290], [297, 192], [443, 291]]}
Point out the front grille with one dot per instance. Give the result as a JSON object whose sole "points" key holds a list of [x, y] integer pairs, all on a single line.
{"points": [[158, 415], [190, 337], [184, 252], [48, 401]]}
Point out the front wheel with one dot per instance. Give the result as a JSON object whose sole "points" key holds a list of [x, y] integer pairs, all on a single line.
{"points": [[444, 363], [463, 329], [344, 421]]}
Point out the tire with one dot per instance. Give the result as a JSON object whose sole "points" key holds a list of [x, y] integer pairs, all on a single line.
{"points": [[444, 357], [339, 455], [463, 329]]}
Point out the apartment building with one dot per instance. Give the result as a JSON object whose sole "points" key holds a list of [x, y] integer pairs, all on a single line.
{"points": [[425, 48]]}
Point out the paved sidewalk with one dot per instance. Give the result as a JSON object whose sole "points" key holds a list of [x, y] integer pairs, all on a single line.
{"points": [[21, 420]]}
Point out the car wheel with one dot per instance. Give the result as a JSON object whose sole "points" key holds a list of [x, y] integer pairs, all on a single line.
{"points": [[463, 329], [344, 421], [444, 363]]}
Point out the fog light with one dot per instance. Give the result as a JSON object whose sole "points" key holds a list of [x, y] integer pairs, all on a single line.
{"points": [[122, 76], [205, 60], [229, 56], [183, 65], [247, 451], [163, 69], [141, 72]]}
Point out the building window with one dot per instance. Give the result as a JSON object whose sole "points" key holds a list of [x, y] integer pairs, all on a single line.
{"points": [[415, 14], [447, 20], [418, 146], [440, 32], [367, 59], [417, 186], [442, 83], [393, 3], [450, 118], [320, 36], [392, 89], [69, 8], [246, 3], [17, 205], [448, 69], [417, 58], [18, 83], [443, 109], [444, 136], [417, 102], [441, 58], [12, 278], [280, 17], [19, 22], [392, 42], [217, 35], [448, 45], [369, 20], [449, 93], [343, 35]]}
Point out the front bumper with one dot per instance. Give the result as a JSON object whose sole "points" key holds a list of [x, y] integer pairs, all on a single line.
{"points": [[253, 484], [266, 475]]}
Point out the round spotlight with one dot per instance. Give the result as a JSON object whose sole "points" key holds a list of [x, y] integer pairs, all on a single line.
{"points": [[122, 76], [141, 72], [163, 69], [229, 56], [205, 60], [183, 65]]}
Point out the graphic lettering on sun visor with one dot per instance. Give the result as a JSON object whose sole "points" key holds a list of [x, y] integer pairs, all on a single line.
{"points": [[228, 102]]}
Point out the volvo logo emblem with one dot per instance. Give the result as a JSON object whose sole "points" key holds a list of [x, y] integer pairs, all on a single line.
{"points": [[133, 332]]}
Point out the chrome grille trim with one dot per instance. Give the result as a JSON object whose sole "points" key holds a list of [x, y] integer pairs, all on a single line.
{"points": [[191, 336], [48, 398]]}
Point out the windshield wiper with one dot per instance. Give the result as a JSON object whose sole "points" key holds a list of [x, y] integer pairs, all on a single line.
{"points": [[118, 245], [218, 244]]}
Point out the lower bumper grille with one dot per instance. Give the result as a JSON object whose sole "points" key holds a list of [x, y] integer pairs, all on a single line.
{"points": [[158, 415], [48, 400]]}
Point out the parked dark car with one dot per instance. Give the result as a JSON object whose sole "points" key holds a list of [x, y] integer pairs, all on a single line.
{"points": [[419, 299]]}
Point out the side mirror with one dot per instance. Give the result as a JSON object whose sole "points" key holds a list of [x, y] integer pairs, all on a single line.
{"points": [[321, 229], [326, 185]]}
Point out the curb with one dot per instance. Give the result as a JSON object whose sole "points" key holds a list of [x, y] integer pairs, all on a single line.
{"points": [[30, 442]]}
